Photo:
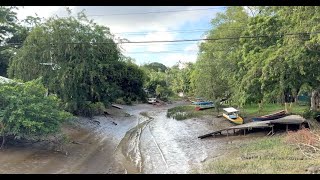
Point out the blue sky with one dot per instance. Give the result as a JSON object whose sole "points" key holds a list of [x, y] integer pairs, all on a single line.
{"points": [[146, 23]]}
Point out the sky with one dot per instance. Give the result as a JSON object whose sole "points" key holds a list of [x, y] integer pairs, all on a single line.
{"points": [[145, 23]]}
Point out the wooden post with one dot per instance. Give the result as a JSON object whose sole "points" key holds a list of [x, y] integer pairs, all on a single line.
{"points": [[272, 130], [287, 128]]}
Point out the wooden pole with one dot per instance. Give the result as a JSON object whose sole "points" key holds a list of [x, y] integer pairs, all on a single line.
{"points": [[287, 128]]}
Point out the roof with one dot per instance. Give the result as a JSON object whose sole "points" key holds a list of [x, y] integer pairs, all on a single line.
{"points": [[230, 109]]}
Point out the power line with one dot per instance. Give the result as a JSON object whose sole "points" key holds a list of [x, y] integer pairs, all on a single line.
{"points": [[185, 31], [174, 32], [156, 52], [188, 40], [154, 12]]}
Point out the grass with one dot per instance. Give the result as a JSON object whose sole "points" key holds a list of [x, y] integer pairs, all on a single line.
{"points": [[248, 111], [266, 155], [187, 112], [253, 109]]}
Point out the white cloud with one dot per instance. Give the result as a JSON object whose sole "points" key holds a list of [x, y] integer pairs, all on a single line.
{"points": [[172, 59], [158, 23]]}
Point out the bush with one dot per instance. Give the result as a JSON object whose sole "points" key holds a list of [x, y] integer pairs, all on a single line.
{"points": [[26, 112], [97, 108], [120, 101], [89, 109], [310, 114]]}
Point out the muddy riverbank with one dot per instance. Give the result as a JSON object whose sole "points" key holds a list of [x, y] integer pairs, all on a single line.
{"points": [[136, 139]]}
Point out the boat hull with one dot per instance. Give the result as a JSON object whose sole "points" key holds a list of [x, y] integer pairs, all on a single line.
{"points": [[273, 116], [238, 120], [202, 102], [202, 107]]}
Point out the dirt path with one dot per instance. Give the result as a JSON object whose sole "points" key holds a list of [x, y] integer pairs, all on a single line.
{"points": [[121, 143]]}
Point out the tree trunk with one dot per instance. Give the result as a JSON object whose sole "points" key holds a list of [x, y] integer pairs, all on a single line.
{"points": [[3, 141], [315, 99]]}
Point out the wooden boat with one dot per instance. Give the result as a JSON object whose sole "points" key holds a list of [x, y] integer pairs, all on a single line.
{"points": [[116, 106], [205, 105], [272, 116], [232, 115]]}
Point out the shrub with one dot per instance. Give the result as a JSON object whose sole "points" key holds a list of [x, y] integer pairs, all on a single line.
{"points": [[310, 114], [26, 112]]}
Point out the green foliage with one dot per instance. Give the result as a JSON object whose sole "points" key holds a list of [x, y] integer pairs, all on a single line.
{"points": [[180, 79], [156, 66], [26, 112], [310, 114], [157, 83], [82, 72], [264, 69], [10, 32]]}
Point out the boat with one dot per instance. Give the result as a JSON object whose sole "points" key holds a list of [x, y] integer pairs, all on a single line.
{"points": [[152, 100], [204, 105], [272, 116], [116, 106], [232, 115], [202, 102]]}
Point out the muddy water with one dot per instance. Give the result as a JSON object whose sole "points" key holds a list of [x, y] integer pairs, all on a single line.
{"points": [[123, 143], [164, 145]]}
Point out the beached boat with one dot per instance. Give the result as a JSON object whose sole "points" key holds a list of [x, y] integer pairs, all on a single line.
{"points": [[152, 100], [202, 102], [232, 115], [272, 116], [204, 105]]}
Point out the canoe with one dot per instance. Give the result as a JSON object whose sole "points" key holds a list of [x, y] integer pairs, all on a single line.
{"points": [[116, 106], [204, 106], [272, 116]]}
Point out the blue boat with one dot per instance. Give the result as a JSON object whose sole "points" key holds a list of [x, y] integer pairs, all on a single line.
{"points": [[202, 102], [204, 105]]}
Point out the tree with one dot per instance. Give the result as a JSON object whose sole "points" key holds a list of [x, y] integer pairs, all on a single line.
{"points": [[26, 112], [76, 68], [156, 66], [8, 32]]}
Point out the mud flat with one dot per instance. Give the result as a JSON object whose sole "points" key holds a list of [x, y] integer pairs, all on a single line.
{"points": [[135, 139]]}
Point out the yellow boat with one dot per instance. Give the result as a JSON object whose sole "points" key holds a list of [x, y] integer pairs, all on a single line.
{"points": [[232, 115]]}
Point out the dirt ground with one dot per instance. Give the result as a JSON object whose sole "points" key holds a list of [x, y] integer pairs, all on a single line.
{"points": [[124, 142]]}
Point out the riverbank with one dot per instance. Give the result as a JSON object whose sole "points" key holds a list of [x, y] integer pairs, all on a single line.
{"points": [[141, 139]]}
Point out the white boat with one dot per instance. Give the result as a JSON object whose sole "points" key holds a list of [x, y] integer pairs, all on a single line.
{"points": [[152, 100]]}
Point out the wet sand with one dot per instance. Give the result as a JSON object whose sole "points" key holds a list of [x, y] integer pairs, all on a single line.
{"points": [[124, 143]]}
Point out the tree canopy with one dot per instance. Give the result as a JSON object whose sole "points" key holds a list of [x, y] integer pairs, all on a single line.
{"points": [[80, 71]]}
